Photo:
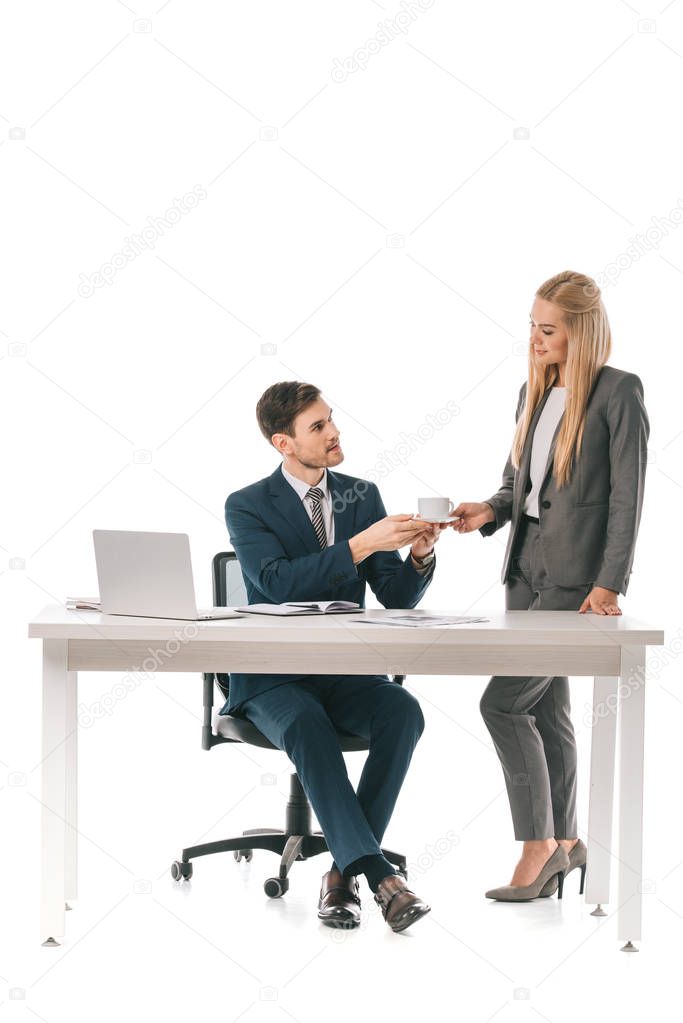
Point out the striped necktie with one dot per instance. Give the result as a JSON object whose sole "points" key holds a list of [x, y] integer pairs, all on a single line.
{"points": [[316, 495]]}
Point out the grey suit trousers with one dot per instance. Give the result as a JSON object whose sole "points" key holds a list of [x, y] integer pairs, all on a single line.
{"points": [[529, 716]]}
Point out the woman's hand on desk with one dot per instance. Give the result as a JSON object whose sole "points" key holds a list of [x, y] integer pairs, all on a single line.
{"points": [[601, 602], [472, 516]]}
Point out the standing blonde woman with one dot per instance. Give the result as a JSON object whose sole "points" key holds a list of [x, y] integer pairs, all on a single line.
{"points": [[572, 490]]}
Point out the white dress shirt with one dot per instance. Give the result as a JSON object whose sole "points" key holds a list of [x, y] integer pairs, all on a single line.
{"points": [[540, 447], [325, 505]]}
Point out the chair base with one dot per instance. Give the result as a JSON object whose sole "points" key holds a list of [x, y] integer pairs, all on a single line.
{"points": [[295, 842]]}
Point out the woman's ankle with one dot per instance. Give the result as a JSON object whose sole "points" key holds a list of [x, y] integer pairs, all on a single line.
{"points": [[533, 846]]}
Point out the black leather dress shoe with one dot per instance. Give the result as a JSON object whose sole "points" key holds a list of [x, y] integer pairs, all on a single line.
{"points": [[339, 904]]}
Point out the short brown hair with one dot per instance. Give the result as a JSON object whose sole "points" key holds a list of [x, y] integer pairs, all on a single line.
{"points": [[278, 407]]}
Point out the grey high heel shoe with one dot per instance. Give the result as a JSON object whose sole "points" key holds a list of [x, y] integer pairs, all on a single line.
{"points": [[552, 870], [577, 858]]}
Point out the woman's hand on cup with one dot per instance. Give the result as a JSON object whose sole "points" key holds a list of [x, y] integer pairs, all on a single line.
{"points": [[472, 515]]}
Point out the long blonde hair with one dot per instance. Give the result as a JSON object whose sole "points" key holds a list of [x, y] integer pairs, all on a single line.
{"points": [[588, 349]]}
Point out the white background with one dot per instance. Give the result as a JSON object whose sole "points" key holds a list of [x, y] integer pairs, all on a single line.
{"points": [[382, 237]]}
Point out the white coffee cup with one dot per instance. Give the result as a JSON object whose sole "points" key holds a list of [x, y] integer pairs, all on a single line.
{"points": [[435, 507]]}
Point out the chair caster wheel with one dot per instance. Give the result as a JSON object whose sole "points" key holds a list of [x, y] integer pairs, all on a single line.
{"points": [[244, 854], [181, 870], [275, 887]]}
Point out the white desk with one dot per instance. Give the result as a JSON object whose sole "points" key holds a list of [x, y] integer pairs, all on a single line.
{"points": [[612, 649]]}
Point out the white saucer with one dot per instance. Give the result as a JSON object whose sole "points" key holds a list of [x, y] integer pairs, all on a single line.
{"points": [[433, 522]]}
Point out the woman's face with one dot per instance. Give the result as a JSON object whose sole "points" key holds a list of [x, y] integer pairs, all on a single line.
{"points": [[548, 336]]}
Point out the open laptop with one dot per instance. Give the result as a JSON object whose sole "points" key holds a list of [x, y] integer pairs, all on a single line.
{"points": [[149, 575]]}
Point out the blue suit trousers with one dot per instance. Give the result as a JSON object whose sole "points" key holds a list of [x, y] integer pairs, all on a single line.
{"points": [[302, 718]]}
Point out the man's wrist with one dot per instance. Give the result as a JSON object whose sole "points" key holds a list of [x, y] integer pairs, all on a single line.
{"points": [[426, 559], [360, 548]]}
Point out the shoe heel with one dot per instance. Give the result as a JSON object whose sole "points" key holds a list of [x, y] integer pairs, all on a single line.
{"points": [[583, 877], [560, 883]]}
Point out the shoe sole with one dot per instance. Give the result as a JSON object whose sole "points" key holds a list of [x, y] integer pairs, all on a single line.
{"points": [[532, 898], [410, 919], [346, 922]]}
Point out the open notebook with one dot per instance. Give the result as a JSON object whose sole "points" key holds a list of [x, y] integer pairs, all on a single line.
{"points": [[302, 607]]}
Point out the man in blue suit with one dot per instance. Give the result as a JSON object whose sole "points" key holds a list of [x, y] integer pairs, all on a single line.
{"points": [[306, 533]]}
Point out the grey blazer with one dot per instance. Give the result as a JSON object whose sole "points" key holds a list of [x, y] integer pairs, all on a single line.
{"points": [[588, 527]]}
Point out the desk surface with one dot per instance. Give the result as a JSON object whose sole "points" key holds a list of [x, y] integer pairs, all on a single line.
{"points": [[510, 628]]}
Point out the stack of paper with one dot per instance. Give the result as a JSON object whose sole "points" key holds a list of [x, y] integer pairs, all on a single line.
{"points": [[417, 620]]}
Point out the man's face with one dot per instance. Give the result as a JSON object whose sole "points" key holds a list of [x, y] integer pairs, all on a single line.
{"points": [[315, 443]]}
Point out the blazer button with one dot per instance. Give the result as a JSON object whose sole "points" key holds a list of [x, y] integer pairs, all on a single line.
{"points": [[545, 504]]}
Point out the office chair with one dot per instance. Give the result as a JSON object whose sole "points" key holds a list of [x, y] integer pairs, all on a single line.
{"points": [[296, 841]]}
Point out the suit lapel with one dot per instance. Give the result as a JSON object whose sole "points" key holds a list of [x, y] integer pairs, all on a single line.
{"points": [[551, 451], [291, 507], [526, 452], [343, 508]]}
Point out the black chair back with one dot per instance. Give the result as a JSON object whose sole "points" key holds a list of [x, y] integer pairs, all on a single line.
{"points": [[228, 591]]}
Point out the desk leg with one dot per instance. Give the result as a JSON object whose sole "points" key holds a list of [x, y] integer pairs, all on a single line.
{"points": [[631, 761], [54, 753], [601, 799], [71, 836]]}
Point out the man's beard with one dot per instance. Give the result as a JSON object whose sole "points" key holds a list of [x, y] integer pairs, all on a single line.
{"points": [[313, 465]]}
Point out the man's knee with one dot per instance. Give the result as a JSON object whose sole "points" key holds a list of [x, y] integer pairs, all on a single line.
{"points": [[418, 716], [408, 711]]}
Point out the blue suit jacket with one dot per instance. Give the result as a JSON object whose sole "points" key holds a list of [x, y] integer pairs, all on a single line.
{"points": [[281, 560]]}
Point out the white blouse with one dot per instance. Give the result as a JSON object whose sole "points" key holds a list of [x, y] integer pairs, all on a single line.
{"points": [[540, 447]]}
